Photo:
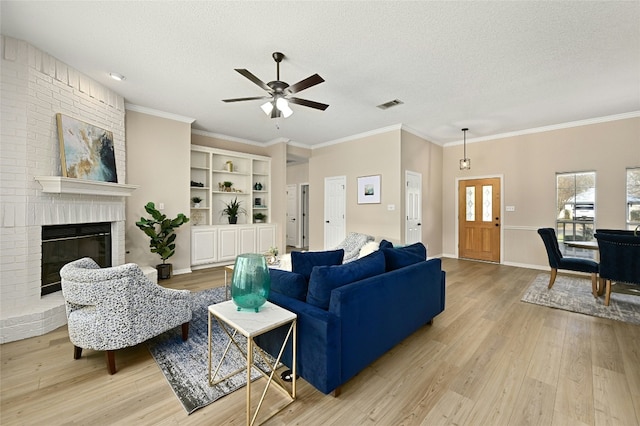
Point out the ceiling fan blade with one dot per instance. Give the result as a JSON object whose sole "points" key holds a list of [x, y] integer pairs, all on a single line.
{"points": [[305, 84], [308, 103], [253, 78], [253, 98]]}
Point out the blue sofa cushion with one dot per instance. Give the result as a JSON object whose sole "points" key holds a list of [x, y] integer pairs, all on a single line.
{"points": [[325, 278], [289, 283], [385, 244], [396, 258], [303, 262]]}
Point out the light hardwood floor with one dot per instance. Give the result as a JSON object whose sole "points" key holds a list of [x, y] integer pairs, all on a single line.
{"points": [[488, 359]]}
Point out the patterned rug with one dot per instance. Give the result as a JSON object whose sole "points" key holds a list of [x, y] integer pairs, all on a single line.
{"points": [[574, 294], [184, 364]]}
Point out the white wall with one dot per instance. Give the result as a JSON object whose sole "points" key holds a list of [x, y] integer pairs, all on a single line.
{"points": [[529, 164], [34, 87]]}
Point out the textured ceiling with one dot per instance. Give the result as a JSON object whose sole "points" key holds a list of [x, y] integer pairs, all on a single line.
{"points": [[494, 67]]}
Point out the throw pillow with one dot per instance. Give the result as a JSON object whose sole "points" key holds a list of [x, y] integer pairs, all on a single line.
{"points": [[396, 258], [325, 278], [303, 262], [368, 248], [288, 283]]}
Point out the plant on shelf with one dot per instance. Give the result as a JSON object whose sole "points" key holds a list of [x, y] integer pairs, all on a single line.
{"points": [[232, 209], [227, 185], [259, 217], [161, 231], [196, 202]]}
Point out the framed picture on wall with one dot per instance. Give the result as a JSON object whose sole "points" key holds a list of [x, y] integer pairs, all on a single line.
{"points": [[86, 151], [369, 189]]}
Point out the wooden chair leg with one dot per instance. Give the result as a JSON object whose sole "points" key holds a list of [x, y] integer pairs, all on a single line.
{"points": [[607, 297], [111, 362], [594, 285], [185, 331], [554, 272], [337, 391], [77, 352], [601, 286]]}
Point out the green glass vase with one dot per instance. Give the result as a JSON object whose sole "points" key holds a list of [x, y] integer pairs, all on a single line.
{"points": [[251, 283]]}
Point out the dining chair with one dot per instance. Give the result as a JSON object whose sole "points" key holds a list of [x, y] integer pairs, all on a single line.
{"points": [[558, 261], [619, 259]]}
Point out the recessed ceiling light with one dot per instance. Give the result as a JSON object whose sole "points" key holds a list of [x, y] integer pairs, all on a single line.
{"points": [[116, 76]]}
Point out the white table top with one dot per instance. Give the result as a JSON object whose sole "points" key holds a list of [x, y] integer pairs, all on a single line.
{"points": [[250, 323]]}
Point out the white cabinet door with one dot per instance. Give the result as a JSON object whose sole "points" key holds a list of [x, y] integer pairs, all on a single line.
{"points": [[247, 240], [266, 238], [227, 244], [203, 246]]}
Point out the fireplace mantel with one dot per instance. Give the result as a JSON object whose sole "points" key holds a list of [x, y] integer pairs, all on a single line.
{"points": [[63, 185]]}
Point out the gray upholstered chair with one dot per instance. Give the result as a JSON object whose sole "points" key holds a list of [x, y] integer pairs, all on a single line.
{"points": [[117, 307]]}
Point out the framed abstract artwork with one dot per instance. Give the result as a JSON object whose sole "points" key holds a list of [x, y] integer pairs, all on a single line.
{"points": [[86, 151], [369, 189]]}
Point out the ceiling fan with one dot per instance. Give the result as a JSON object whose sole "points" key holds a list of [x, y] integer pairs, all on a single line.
{"points": [[279, 92]]}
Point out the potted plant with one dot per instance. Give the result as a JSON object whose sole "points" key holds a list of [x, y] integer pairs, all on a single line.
{"points": [[259, 217], [227, 185], [232, 209], [196, 202], [161, 232]]}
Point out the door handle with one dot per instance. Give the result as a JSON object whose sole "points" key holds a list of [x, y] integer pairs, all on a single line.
{"points": [[293, 219], [326, 221], [419, 224], [497, 224]]}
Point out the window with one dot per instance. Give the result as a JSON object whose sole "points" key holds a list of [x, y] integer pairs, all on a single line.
{"points": [[633, 198], [576, 206]]}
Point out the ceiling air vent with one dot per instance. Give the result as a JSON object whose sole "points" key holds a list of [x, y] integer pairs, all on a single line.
{"points": [[390, 104]]}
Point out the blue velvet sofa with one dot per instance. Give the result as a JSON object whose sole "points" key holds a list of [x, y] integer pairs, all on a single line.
{"points": [[351, 314]]}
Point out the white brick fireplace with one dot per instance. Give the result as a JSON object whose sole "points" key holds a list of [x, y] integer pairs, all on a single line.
{"points": [[34, 87]]}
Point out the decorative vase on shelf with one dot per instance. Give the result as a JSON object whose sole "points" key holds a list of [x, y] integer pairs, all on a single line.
{"points": [[251, 282]]}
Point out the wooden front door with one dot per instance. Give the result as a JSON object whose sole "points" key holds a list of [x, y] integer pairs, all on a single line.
{"points": [[479, 219]]}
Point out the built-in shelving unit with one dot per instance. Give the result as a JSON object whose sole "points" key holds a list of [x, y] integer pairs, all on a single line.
{"points": [[217, 177]]}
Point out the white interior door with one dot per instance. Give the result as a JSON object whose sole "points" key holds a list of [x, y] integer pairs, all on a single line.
{"points": [[292, 215], [413, 197], [335, 191]]}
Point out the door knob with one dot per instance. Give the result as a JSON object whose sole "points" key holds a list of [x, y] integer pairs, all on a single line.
{"points": [[419, 224], [326, 221]]}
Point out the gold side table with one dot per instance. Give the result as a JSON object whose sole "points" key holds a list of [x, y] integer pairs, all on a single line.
{"points": [[251, 324]]}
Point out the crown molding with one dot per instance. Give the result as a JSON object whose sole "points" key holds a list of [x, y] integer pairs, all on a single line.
{"points": [[226, 137], [359, 136], [568, 125], [161, 114]]}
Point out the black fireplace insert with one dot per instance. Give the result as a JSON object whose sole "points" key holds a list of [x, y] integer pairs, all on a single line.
{"points": [[62, 244]]}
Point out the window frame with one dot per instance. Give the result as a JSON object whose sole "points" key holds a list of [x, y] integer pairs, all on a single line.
{"points": [[587, 223], [630, 223]]}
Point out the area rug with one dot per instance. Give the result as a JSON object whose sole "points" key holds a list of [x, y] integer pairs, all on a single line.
{"points": [[574, 294], [184, 364]]}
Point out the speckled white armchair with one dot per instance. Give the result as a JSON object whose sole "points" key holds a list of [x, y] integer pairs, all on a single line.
{"points": [[117, 307]]}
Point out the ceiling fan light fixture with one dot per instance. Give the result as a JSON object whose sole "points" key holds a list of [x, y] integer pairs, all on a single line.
{"points": [[267, 107], [283, 107]]}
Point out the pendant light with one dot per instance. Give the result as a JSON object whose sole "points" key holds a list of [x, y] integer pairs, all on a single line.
{"points": [[465, 163]]}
